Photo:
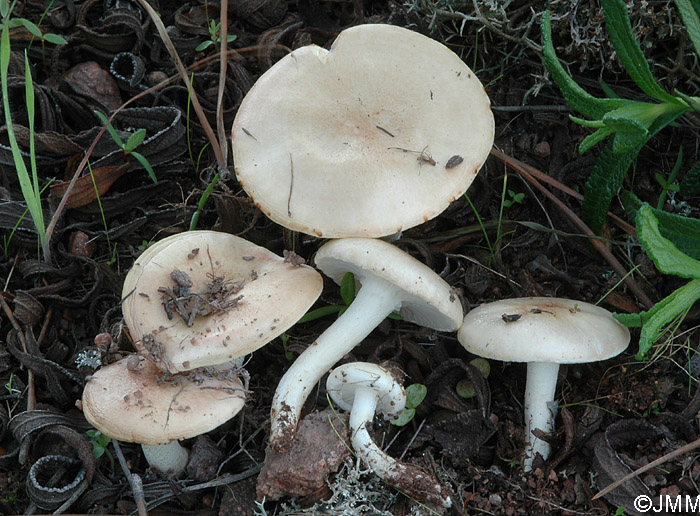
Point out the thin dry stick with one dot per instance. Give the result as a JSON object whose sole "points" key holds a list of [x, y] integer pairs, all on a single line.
{"points": [[183, 75], [133, 479], [223, 63], [520, 168], [672, 455], [31, 393]]}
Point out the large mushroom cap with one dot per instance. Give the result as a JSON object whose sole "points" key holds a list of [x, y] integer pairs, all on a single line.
{"points": [[379, 134], [137, 406], [345, 380], [543, 329], [260, 296], [427, 299]]}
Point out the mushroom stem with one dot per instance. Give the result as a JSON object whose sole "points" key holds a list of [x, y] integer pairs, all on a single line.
{"points": [[405, 477], [376, 299], [170, 458], [539, 391]]}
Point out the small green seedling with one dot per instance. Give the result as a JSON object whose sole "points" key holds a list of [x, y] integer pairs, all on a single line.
{"points": [[415, 394], [514, 198], [214, 36], [134, 141], [100, 442], [8, 386], [465, 388]]}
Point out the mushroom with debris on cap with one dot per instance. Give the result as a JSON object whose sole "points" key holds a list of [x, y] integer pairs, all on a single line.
{"points": [[363, 389], [133, 401], [391, 280], [374, 136], [544, 332], [205, 298]]}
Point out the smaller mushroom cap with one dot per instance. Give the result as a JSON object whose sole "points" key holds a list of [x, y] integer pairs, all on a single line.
{"points": [[543, 329], [344, 381], [428, 300], [148, 406], [273, 295]]}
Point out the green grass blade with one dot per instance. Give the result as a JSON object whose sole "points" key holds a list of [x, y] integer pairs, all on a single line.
{"points": [[617, 22], [28, 191], [691, 20], [144, 162], [112, 132]]}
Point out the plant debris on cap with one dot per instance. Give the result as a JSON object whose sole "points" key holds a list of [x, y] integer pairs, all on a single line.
{"points": [[377, 135], [144, 405], [203, 298]]}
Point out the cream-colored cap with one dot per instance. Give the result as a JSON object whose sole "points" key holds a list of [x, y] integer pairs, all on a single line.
{"points": [[136, 406], [267, 296], [426, 298], [377, 135], [543, 329]]}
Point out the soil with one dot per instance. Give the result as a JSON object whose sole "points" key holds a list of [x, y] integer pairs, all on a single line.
{"points": [[62, 317]]}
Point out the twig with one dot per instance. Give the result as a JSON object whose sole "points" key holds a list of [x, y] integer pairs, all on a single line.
{"points": [[671, 455], [133, 479], [31, 393], [223, 63], [524, 171]]}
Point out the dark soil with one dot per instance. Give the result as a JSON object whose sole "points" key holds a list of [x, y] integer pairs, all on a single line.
{"points": [[613, 418]]}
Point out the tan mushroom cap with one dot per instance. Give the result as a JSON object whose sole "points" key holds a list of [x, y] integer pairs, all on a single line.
{"points": [[275, 294], [364, 139], [543, 329], [427, 299], [135, 407]]}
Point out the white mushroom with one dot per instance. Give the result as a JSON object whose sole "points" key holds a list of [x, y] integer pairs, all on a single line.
{"points": [[141, 404], [247, 295], [363, 389], [375, 136], [391, 280], [544, 332]]}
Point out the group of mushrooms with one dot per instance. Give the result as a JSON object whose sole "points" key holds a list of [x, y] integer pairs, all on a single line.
{"points": [[321, 151]]}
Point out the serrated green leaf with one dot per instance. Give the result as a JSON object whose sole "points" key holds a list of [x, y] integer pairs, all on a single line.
{"points": [[684, 232], [347, 288], [666, 256], [629, 320], [578, 98], [415, 394], [690, 184], [691, 20], [617, 22], [665, 311], [603, 183]]}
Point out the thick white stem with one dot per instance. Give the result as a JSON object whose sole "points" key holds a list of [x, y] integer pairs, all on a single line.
{"points": [[375, 300], [170, 459], [539, 391]]}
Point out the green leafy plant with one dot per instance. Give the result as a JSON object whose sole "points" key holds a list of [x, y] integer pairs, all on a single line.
{"points": [[214, 36], [513, 198], [135, 139], [673, 243], [415, 394], [8, 386], [626, 124], [100, 442], [465, 388], [32, 28]]}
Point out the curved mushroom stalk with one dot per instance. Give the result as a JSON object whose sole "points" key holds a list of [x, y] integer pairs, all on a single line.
{"points": [[373, 303], [391, 280], [364, 389], [170, 459]]}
